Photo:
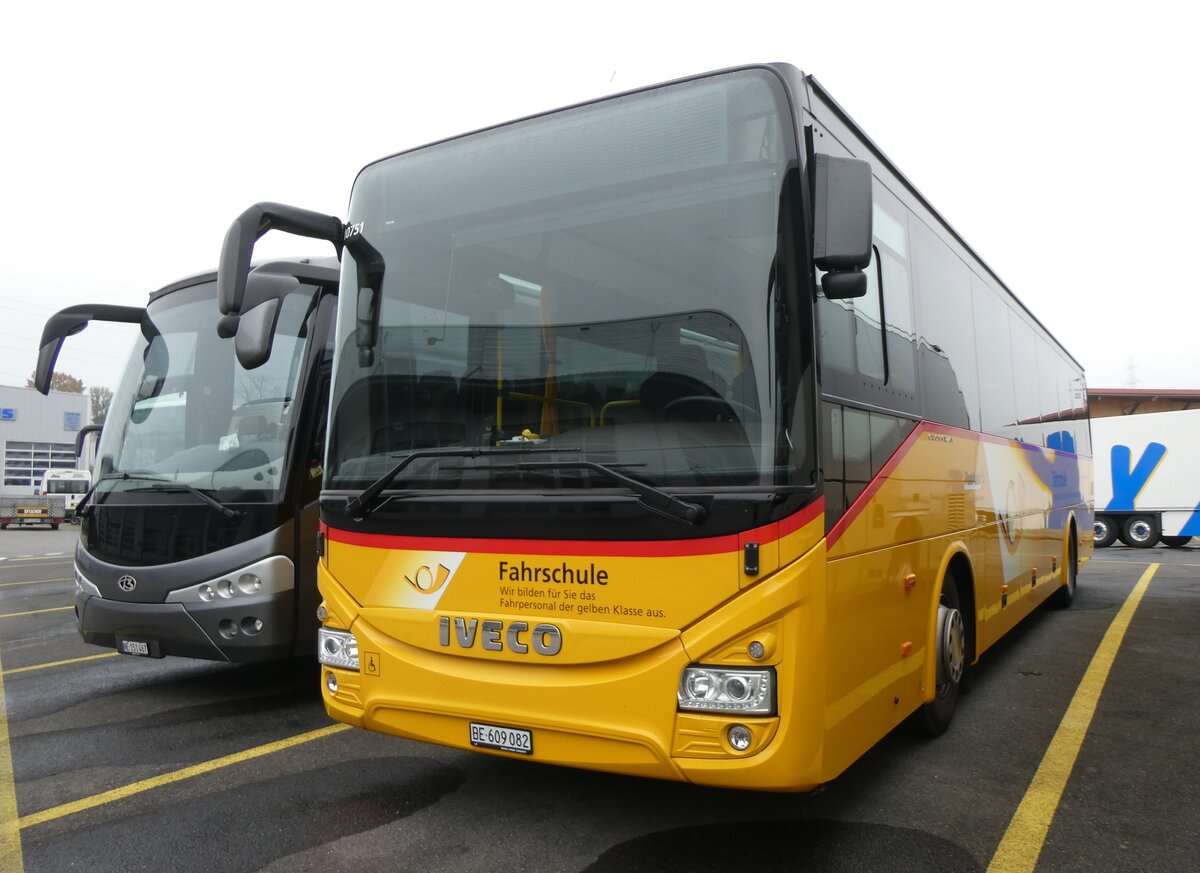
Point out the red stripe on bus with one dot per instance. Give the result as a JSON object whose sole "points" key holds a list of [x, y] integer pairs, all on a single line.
{"points": [[572, 548], [860, 502]]}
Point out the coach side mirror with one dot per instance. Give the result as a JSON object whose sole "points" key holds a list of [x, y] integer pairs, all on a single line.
{"points": [[256, 334], [841, 224]]}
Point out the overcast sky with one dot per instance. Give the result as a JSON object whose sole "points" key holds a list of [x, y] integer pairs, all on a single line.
{"points": [[1057, 138]]}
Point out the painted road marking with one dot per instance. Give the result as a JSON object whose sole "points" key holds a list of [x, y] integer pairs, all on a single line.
{"points": [[35, 582], [10, 828], [36, 611], [17, 670], [1022, 843], [105, 797]]}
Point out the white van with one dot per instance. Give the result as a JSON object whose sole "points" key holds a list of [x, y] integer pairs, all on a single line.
{"points": [[71, 484]]}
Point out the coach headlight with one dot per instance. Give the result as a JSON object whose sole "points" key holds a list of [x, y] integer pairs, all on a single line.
{"points": [[337, 648], [83, 587], [722, 690]]}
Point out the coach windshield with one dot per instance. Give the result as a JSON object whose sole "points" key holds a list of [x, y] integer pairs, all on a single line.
{"points": [[602, 284]]}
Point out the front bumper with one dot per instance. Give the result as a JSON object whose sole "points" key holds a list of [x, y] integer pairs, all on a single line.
{"points": [[194, 630]]}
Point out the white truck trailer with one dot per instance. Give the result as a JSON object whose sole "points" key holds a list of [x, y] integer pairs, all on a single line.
{"points": [[1147, 478]]}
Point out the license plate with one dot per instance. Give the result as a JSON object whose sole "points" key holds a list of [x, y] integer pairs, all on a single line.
{"points": [[138, 648], [506, 739]]}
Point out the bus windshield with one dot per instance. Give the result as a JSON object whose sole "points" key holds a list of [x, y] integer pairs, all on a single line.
{"points": [[187, 413], [602, 282]]}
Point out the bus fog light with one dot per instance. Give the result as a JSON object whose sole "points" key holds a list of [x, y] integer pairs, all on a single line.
{"points": [[227, 629], [251, 625], [225, 588], [207, 592], [331, 683], [337, 648], [248, 583], [718, 689], [739, 737]]}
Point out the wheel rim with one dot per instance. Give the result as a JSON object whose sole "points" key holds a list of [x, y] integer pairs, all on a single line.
{"points": [[1100, 531], [1140, 532], [952, 648]]}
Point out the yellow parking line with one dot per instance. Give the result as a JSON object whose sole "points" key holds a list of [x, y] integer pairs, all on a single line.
{"points": [[34, 582], [17, 670], [36, 611], [95, 800], [1022, 843], [10, 828]]}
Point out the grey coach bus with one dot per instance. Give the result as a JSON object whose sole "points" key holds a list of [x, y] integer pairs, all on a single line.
{"points": [[199, 531]]}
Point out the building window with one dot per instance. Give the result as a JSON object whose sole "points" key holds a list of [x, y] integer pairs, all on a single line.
{"points": [[24, 462]]}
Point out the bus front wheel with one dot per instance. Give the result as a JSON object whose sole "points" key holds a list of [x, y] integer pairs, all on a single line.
{"points": [[934, 717]]}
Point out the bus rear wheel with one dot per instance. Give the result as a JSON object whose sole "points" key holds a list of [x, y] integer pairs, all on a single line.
{"points": [[934, 717], [1064, 596]]}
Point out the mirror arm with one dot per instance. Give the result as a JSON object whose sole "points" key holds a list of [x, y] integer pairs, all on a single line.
{"points": [[70, 321], [238, 247]]}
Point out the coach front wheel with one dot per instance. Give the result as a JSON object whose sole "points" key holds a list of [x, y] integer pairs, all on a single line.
{"points": [[934, 717]]}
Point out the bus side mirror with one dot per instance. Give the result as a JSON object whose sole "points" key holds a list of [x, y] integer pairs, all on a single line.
{"points": [[256, 334], [841, 224]]}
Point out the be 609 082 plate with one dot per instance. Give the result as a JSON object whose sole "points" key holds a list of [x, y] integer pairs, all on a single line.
{"points": [[506, 739]]}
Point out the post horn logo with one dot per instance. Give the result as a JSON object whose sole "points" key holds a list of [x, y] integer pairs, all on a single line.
{"points": [[426, 581]]}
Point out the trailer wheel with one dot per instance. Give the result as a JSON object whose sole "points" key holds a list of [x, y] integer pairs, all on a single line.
{"points": [[1176, 542], [1141, 531], [1104, 532]]}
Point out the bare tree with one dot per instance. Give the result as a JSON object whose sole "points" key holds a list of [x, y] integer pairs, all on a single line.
{"points": [[60, 382], [101, 398]]}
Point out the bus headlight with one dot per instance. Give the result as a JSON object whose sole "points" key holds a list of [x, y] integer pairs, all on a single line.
{"points": [[718, 689], [83, 587], [337, 648]]}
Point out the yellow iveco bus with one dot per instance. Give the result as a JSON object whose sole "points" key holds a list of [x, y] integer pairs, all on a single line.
{"points": [[676, 434]]}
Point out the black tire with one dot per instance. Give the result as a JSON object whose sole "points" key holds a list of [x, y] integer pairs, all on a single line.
{"points": [[1065, 595], [1176, 542], [53, 527], [933, 718], [1140, 532], [1104, 531]]}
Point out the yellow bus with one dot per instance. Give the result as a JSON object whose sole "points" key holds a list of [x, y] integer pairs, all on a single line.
{"points": [[676, 434]]}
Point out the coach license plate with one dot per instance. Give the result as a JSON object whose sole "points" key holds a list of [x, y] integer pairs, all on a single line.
{"points": [[140, 648], [506, 739]]}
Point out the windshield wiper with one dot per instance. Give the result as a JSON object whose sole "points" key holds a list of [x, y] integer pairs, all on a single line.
{"points": [[359, 506], [172, 485], [652, 498]]}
